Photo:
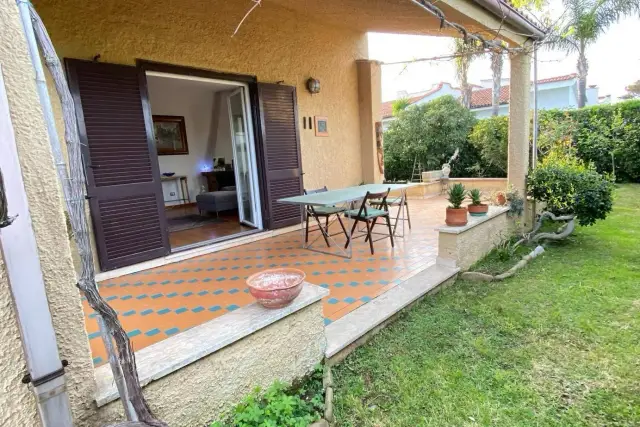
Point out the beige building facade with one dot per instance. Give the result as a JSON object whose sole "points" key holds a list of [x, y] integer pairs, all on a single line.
{"points": [[282, 41]]}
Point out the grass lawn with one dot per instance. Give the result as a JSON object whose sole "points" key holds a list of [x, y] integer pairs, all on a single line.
{"points": [[556, 345]]}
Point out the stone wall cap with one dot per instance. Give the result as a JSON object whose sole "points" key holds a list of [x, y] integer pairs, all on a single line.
{"points": [[474, 221], [167, 356]]}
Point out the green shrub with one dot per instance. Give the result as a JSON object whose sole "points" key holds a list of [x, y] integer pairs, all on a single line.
{"points": [[569, 187], [296, 406], [603, 135], [490, 137], [430, 132]]}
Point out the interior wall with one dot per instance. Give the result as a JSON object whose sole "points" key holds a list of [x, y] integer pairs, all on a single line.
{"points": [[196, 104]]}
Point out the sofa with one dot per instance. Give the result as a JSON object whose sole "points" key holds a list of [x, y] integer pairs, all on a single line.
{"points": [[217, 201]]}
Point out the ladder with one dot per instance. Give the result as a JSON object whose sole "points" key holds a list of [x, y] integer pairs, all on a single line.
{"points": [[416, 175]]}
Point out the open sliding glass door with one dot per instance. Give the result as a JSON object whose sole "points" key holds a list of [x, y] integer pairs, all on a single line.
{"points": [[244, 159]]}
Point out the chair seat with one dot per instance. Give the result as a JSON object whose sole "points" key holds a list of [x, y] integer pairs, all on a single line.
{"points": [[391, 201], [371, 213], [327, 210]]}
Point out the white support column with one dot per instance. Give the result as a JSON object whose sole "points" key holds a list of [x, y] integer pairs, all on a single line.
{"points": [[519, 119]]}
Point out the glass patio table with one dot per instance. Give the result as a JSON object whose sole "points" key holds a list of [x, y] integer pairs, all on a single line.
{"points": [[345, 197]]}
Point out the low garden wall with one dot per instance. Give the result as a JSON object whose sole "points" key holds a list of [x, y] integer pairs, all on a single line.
{"points": [[486, 185], [462, 246], [192, 378]]}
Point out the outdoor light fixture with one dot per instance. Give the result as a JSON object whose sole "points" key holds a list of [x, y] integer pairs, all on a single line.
{"points": [[313, 85]]}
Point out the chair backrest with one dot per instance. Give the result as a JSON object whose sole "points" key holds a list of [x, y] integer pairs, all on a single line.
{"points": [[316, 191], [377, 196]]}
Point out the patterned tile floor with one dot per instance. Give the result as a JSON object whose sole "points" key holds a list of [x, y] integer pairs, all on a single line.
{"points": [[158, 303]]}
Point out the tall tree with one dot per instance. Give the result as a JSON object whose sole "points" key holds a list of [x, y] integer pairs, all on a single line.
{"points": [[466, 52], [582, 22], [496, 72], [633, 89]]}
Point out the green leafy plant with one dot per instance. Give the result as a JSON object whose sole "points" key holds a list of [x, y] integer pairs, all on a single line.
{"points": [[490, 137], [516, 202], [475, 196], [457, 195], [430, 132], [279, 405], [569, 187]]}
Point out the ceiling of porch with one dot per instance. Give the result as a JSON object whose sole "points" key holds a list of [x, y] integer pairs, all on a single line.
{"points": [[387, 16]]}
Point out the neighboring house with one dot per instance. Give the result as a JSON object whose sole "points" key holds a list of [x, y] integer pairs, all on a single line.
{"points": [[163, 86], [438, 90], [555, 92]]}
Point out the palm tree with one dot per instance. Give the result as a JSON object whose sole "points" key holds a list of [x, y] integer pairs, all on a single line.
{"points": [[580, 26], [466, 52], [496, 72]]}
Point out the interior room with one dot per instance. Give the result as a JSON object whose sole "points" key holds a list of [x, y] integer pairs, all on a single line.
{"points": [[206, 156]]}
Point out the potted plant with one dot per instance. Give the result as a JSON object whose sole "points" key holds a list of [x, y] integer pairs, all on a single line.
{"points": [[500, 198], [456, 214], [477, 208]]}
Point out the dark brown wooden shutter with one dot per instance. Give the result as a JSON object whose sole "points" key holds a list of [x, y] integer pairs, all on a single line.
{"points": [[281, 150], [123, 178]]}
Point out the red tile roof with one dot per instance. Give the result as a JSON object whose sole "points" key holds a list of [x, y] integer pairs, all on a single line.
{"points": [[482, 98], [387, 107], [479, 98]]}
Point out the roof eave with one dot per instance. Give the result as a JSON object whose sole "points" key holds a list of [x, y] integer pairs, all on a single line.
{"points": [[513, 17]]}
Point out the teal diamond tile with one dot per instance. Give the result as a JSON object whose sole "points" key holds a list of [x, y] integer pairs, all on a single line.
{"points": [[198, 309], [332, 301], [349, 300], [215, 308], [129, 313], [365, 299], [94, 335], [233, 291], [338, 284], [172, 294], [180, 310], [97, 360], [145, 312], [218, 292], [156, 296], [232, 307], [141, 296], [133, 333], [152, 332], [202, 293], [172, 331], [163, 311]]}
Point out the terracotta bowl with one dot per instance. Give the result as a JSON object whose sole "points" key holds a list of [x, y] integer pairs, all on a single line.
{"points": [[277, 287]]}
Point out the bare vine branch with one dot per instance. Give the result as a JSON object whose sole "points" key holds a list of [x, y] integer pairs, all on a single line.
{"points": [[246, 15]]}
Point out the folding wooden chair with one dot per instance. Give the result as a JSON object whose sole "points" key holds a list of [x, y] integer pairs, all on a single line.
{"points": [[369, 215], [396, 201], [317, 212]]}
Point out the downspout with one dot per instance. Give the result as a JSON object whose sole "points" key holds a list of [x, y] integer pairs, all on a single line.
{"points": [[534, 148], [20, 252], [63, 176]]}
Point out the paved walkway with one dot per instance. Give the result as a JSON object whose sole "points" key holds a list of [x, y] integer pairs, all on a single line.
{"points": [[158, 303]]}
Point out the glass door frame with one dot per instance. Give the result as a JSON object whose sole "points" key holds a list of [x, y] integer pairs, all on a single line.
{"points": [[243, 91]]}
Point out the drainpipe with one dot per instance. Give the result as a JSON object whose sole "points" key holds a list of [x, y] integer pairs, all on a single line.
{"points": [[534, 148], [24, 7], [20, 252]]}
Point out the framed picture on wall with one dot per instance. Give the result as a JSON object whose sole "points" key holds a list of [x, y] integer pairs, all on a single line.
{"points": [[171, 135], [322, 126]]}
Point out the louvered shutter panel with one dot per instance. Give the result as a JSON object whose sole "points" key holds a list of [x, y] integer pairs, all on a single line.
{"points": [[281, 150], [123, 178]]}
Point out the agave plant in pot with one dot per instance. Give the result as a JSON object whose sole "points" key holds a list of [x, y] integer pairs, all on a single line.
{"points": [[456, 214], [477, 208]]}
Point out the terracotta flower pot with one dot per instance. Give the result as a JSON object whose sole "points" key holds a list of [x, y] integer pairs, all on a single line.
{"points": [[478, 210], [456, 217], [501, 199], [277, 287]]}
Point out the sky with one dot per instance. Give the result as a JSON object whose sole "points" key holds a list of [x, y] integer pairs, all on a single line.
{"points": [[614, 61]]}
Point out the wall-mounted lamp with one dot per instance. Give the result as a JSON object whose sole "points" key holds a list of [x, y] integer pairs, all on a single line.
{"points": [[313, 85]]}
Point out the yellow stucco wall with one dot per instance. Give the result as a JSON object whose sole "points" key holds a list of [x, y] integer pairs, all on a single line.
{"points": [[45, 206], [274, 44]]}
